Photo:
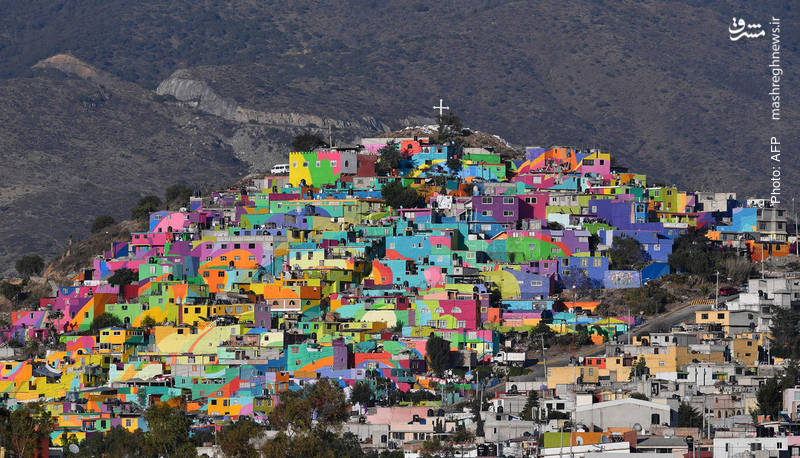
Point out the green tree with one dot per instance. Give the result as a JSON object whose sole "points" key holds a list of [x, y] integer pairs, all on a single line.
{"points": [[307, 142], [462, 436], [178, 193], [542, 329], [148, 322], [582, 336], [397, 196], [688, 417], [11, 291], [101, 222], [449, 128], [785, 330], [495, 296], [640, 396], [436, 447], [318, 443], [169, 432], [454, 164], [438, 351], [638, 369], [122, 277], [626, 253], [362, 394], [693, 253], [116, 442], [531, 410], [22, 430], [389, 159], [769, 398], [145, 206], [319, 405], [234, 439], [105, 320], [29, 265]]}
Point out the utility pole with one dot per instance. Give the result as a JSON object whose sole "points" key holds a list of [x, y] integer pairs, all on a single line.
{"points": [[544, 357], [574, 379], [796, 241], [630, 325]]}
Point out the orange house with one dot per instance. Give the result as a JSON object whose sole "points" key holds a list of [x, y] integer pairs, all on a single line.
{"points": [[761, 250]]}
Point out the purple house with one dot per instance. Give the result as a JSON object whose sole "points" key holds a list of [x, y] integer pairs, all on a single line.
{"points": [[501, 209], [262, 316]]}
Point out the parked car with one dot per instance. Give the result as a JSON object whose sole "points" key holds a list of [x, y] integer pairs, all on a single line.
{"points": [[728, 291], [279, 169]]}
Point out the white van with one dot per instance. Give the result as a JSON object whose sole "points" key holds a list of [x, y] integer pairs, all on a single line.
{"points": [[279, 169]]}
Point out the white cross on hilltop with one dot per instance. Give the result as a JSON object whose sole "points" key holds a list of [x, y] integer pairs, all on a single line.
{"points": [[441, 107]]}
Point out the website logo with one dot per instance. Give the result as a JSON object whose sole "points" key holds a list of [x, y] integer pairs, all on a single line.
{"points": [[741, 29]]}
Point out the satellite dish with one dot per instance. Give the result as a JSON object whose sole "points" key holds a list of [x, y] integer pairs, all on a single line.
{"points": [[637, 427], [73, 448]]}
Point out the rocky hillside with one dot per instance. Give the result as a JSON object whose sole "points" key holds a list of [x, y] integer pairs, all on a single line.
{"points": [[79, 142]]}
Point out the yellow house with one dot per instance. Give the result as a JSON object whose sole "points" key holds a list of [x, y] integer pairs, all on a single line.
{"points": [[571, 374], [745, 350], [729, 322]]}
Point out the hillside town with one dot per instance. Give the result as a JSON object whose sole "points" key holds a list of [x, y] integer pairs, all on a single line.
{"points": [[457, 302]]}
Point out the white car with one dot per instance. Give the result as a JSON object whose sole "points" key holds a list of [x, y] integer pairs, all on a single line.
{"points": [[279, 169]]}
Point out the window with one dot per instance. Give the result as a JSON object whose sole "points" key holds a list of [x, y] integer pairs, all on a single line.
{"points": [[486, 200], [319, 163], [704, 316], [333, 163], [220, 274], [223, 258], [508, 200], [584, 262], [508, 213], [486, 213], [536, 283], [655, 419], [720, 316], [530, 200], [656, 247], [206, 274], [598, 262], [294, 165], [305, 164], [461, 324]]}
